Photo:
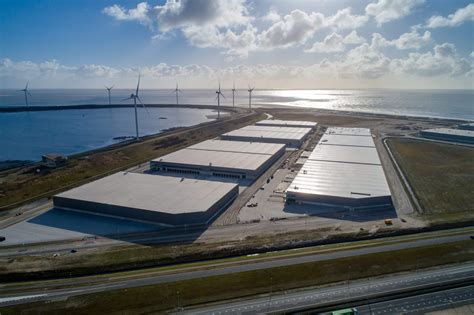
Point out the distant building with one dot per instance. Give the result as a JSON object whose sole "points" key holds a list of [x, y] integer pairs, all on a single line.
{"points": [[286, 123], [291, 136], [448, 134], [53, 160], [221, 158], [469, 126]]}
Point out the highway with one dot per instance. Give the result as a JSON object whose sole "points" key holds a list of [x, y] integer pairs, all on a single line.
{"points": [[362, 290], [423, 303], [50, 291]]}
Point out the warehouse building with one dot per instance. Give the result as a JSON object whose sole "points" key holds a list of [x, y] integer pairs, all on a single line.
{"points": [[347, 140], [351, 185], [468, 126], [221, 158], [344, 169], [291, 136], [447, 134], [348, 131], [287, 123], [159, 199]]}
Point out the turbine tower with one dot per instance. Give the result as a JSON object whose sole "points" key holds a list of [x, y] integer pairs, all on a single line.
{"points": [[109, 89], [135, 97], [233, 95], [219, 94], [176, 90], [250, 90], [25, 90]]}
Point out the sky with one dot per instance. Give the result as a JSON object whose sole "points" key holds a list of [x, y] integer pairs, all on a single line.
{"points": [[311, 44]]}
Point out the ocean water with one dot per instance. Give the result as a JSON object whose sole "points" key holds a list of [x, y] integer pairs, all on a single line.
{"points": [[26, 136]]}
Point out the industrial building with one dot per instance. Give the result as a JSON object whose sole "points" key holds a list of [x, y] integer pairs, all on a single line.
{"points": [[447, 134], [468, 126], [286, 123], [344, 169], [340, 184], [221, 158], [291, 136], [160, 199], [348, 131], [347, 140]]}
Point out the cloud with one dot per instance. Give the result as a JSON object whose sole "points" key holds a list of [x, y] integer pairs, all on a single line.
{"points": [[298, 26], [332, 43], [388, 10], [139, 14], [294, 28], [343, 19], [272, 16], [192, 13], [353, 39], [442, 61], [459, 17], [411, 40], [336, 43]]}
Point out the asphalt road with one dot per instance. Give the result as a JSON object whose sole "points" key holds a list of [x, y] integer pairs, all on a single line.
{"points": [[423, 303], [36, 294], [364, 289]]}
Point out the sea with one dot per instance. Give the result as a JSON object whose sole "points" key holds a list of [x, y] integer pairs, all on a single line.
{"points": [[27, 135]]}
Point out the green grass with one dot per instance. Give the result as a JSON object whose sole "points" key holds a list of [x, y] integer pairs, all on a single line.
{"points": [[24, 185], [441, 176], [159, 298]]}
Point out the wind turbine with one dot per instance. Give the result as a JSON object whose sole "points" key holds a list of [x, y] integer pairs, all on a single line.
{"points": [[219, 93], [25, 90], [108, 91], [250, 90], [233, 95], [135, 97], [177, 91]]}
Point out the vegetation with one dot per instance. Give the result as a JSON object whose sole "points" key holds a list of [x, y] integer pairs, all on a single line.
{"points": [[441, 176], [158, 298], [25, 184]]}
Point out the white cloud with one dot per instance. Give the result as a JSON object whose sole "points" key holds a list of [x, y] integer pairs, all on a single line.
{"points": [[343, 19], [411, 40], [294, 28], [459, 17], [139, 14], [472, 54], [442, 61], [272, 16], [192, 13], [332, 43], [388, 10], [353, 39]]}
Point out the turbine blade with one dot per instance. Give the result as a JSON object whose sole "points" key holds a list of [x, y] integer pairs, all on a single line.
{"points": [[138, 85], [112, 87], [180, 91], [27, 82], [29, 93], [222, 95], [126, 99], [146, 109]]}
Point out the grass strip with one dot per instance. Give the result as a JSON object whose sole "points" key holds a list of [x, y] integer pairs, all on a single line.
{"points": [[159, 298]]}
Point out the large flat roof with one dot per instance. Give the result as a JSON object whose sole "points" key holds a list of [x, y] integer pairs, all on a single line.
{"points": [[287, 123], [348, 131], [345, 140], [270, 132], [165, 194], [346, 180], [451, 132], [221, 159], [238, 146], [346, 154]]}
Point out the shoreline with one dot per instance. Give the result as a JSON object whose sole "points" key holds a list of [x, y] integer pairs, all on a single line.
{"points": [[258, 106]]}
